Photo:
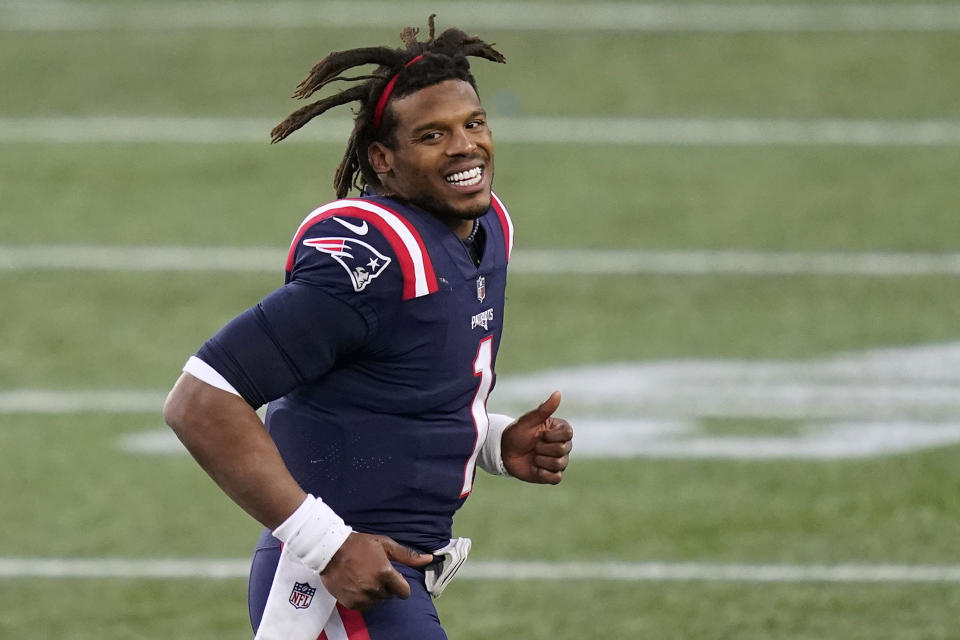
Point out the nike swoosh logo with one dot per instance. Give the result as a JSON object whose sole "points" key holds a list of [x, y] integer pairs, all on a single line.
{"points": [[359, 229]]}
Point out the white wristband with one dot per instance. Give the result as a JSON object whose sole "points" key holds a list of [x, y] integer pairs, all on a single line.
{"points": [[491, 455], [313, 533]]}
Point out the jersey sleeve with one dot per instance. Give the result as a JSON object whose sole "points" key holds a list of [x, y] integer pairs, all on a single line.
{"points": [[351, 260], [342, 285], [294, 335]]}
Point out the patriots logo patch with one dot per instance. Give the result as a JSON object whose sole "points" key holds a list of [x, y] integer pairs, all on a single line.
{"points": [[362, 262]]}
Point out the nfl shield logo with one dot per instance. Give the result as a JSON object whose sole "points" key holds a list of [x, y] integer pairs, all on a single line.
{"points": [[302, 595], [481, 288]]}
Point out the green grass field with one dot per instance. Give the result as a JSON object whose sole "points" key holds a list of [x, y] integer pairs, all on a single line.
{"points": [[70, 490]]}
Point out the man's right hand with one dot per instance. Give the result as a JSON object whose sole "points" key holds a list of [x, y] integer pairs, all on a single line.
{"points": [[359, 575]]}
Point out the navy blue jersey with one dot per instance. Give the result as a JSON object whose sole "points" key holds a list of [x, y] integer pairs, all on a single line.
{"points": [[377, 357]]}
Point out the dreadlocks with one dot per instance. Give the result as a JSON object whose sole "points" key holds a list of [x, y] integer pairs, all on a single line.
{"points": [[399, 72]]}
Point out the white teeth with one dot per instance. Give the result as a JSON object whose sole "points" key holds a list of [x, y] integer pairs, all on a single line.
{"points": [[466, 178]]}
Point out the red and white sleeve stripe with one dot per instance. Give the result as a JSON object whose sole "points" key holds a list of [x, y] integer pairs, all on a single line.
{"points": [[505, 222]]}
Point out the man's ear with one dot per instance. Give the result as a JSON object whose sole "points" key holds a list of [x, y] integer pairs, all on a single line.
{"points": [[381, 158]]}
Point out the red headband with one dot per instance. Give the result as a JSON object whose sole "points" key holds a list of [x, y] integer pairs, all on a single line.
{"points": [[382, 102]]}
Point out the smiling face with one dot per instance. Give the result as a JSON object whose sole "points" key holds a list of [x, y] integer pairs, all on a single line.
{"points": [[441, 156]]}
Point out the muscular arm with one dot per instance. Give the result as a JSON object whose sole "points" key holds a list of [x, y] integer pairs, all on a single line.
{"points": [[227, 438], [294, 334]]}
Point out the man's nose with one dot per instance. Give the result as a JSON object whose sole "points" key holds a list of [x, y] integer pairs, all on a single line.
{"points": [[461, 143]]}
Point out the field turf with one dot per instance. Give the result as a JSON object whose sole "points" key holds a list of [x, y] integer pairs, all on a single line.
{"points": [[70, 490]]}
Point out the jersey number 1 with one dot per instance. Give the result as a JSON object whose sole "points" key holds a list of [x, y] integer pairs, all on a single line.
{"points": [[482, 367]]}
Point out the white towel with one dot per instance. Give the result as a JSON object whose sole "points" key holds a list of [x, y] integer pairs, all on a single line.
{"points": [[298, 607]]}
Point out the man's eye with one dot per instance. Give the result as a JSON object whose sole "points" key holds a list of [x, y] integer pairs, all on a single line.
{"points": [[428, 137], [475, 124]]}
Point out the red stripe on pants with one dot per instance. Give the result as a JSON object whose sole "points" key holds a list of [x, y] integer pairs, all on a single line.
{"points": [[353, 623]]}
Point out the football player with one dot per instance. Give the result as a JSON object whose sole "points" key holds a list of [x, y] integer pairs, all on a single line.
{"points": [[376, 357]]}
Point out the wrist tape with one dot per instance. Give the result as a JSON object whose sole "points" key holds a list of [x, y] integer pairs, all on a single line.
{"points": [[313, 533], [491, 456]]}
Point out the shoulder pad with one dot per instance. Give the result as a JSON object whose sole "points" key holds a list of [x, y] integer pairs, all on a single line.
{"points": [[354, 231]]}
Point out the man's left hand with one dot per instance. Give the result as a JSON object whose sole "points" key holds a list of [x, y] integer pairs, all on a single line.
{"points": [[536, 447]]}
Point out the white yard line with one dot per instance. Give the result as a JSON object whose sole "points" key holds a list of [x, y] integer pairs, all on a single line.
{"points": [[541, 261], [540, 16], [851, 405], [528, 129], [47, 401], [153, 568], [147, 258]]}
